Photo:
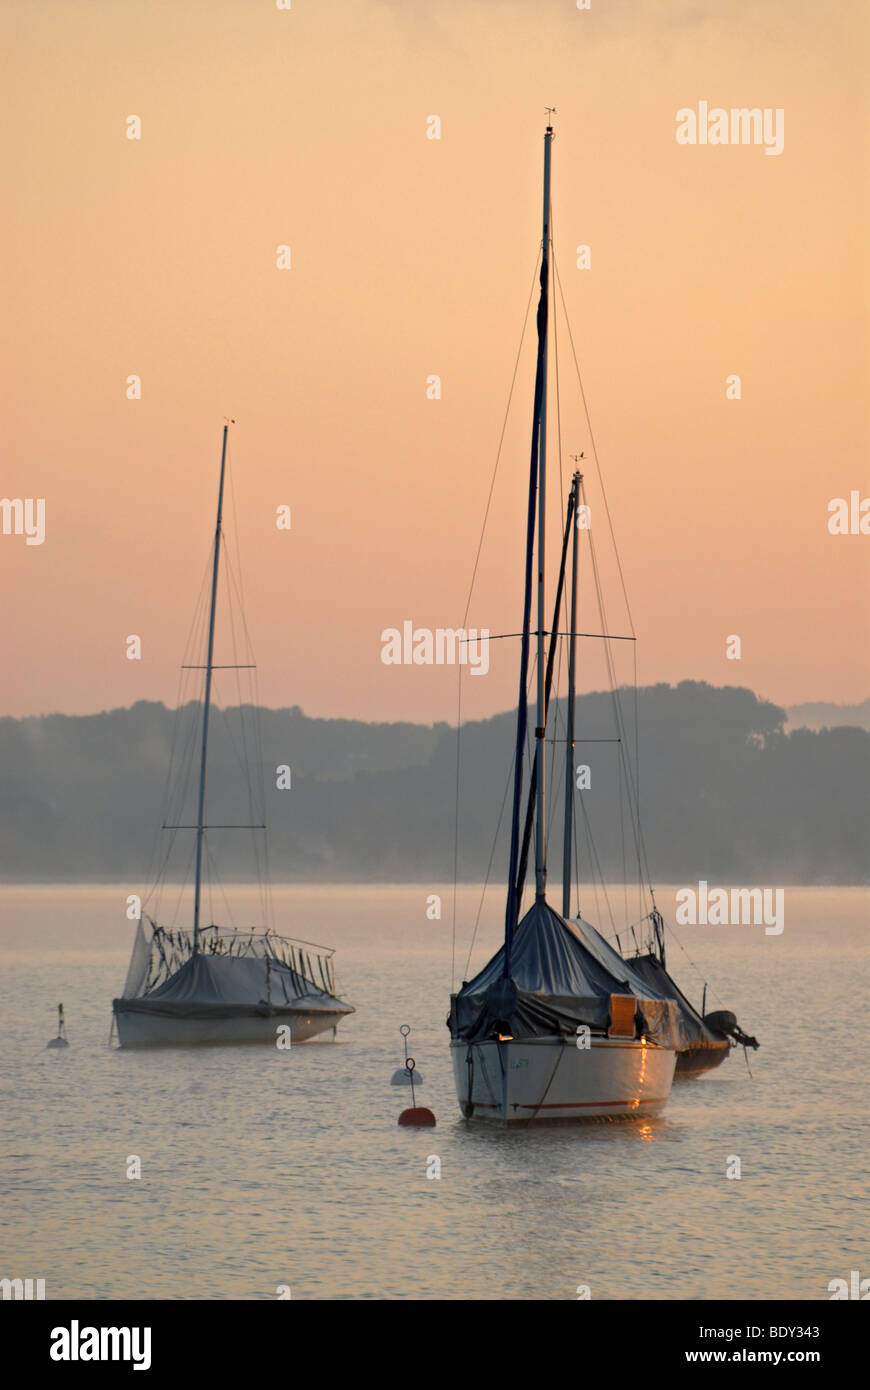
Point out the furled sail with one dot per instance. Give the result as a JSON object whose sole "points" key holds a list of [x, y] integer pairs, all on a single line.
{"points": [[140, 964]]}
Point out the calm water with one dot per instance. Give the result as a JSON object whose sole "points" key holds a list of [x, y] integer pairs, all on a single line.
{"points": [[262, 1168]]}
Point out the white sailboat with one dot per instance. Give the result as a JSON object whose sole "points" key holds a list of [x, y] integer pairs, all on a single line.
{"points": [[557, 1025], [212, 984]]}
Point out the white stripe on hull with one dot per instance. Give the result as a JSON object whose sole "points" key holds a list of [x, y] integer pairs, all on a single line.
{"points": [[155, 1030], [553, 1079]]}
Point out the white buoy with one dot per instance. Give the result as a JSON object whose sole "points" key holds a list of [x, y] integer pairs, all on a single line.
{"points": [[402, 1077]]}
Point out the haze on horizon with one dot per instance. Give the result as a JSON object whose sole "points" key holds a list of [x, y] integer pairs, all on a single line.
{"points": [[413, 257]]}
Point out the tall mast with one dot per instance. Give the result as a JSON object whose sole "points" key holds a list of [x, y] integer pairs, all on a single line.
{"points": [[535, 499], [569, 730], [200, 817], [541, 728]]}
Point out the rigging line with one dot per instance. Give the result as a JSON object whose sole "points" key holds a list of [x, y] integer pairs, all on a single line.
{"points": [[594, 447], [188, 715], [254, 826], [234, 591], [268, 901], [223, 711], [241, 589], [626, 797], [500, 444], [468, 603], [215, 881], [597, 862], [256, 806], [550, 790], [596, 875], [174, 802], [637, 781], [557, 778], [267, 898], [639, 833], [237, 577], [579, 677], [184, 882], [243, 762], [608, 655], [607, 636], [154, 866], [695, 967], [562, 1050], [236, 574], [556, 375], [184, 730], [456, 823], [614, 693], [562, 774], [577, 880], [621, 833], [496, 836], [632, 926]]}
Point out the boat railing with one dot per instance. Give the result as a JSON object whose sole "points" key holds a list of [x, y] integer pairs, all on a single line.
{"points": [[172, 947]]}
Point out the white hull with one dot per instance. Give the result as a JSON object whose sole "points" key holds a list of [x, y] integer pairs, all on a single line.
{"points": [[137, 1029], [552, 1079]]}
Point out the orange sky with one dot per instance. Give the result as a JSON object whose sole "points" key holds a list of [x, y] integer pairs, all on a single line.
{"points": [[413, 257]]}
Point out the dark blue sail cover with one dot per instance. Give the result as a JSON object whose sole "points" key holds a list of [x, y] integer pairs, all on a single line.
{"points": [[693, 1032], [562, 974]]}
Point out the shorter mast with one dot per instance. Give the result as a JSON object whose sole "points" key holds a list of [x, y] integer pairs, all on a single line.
{"points": [[569, 721], [200, 817], [548, 685]]}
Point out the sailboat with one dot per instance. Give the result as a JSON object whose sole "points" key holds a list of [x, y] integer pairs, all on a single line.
{"points": [[211, 984], [557, 1025]]}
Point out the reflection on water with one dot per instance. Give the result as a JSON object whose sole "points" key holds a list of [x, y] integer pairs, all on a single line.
{"points": [[261, 1168]]}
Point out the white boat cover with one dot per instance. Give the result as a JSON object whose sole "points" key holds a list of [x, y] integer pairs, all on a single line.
{"points": [[208, 985], [562, 975]]}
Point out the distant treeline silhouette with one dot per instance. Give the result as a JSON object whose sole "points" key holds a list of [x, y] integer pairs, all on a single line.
{"points": [[725, 793]]}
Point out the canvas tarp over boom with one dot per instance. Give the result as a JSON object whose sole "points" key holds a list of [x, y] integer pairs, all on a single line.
{"points": [[213, 984], [562, 975], [693, 1032]]}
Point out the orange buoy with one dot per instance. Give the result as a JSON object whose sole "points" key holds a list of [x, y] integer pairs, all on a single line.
{"points": [[418, 1116]]}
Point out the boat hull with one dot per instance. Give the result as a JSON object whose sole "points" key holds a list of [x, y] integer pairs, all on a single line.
{"points": [[140, 1028], [696, 1060], [546, 1079]]}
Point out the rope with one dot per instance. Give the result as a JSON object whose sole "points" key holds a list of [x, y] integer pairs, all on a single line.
{"points": [[549, 1083], [465, 620]]}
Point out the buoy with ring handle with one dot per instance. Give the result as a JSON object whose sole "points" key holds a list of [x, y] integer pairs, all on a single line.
{"points": [[418, 1114]]}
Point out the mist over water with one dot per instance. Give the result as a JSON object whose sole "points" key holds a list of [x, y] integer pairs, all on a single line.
{"points": [[262, 1168]]}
